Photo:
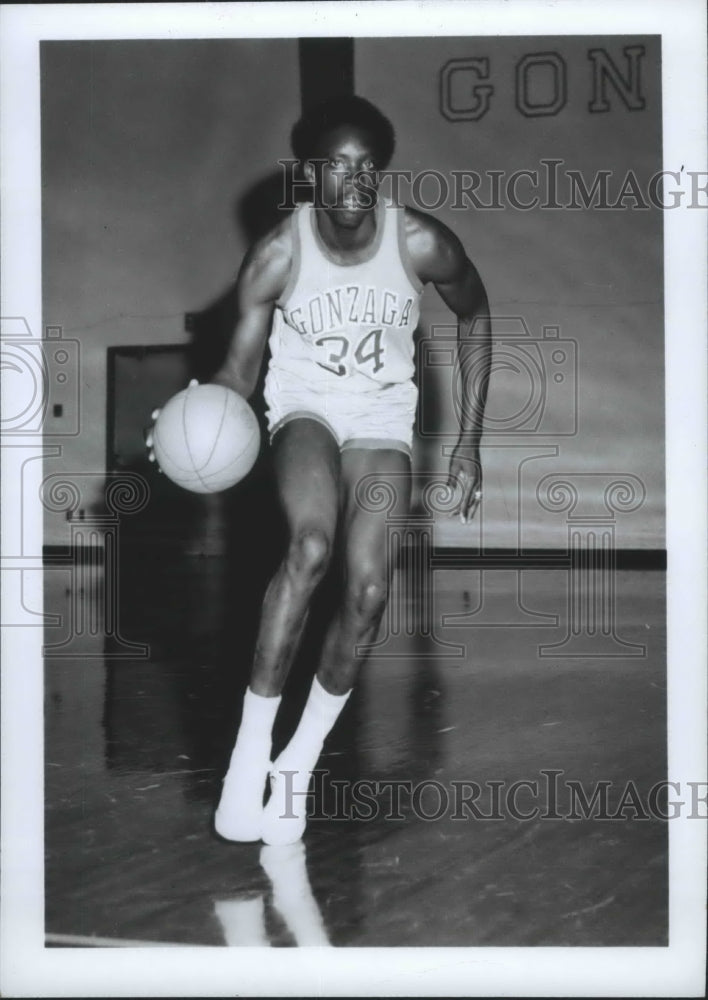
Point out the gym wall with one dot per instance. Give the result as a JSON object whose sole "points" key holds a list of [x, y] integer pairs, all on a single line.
{"points": [[595, 275], [151, 149]]}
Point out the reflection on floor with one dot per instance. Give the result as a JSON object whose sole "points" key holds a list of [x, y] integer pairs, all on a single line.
{"points": [[418, 833]]}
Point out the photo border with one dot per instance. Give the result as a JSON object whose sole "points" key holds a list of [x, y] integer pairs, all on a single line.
{"points": [[29, 969]]}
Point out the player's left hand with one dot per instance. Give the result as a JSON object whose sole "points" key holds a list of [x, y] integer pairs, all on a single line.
{"points": [[466, 475]]}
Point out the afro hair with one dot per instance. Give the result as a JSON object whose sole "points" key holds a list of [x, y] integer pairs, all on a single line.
{"points": [[317, 121]]}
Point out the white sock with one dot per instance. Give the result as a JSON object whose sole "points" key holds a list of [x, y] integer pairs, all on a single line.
{"points": [[240, 810], [285, 814]]}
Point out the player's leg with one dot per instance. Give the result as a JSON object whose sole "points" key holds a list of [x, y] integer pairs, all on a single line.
{"points": [[368, 569], [307, 467], [377, 485]]}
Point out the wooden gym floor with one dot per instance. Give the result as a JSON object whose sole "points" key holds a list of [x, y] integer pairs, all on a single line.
{"points": [[135, 749]]}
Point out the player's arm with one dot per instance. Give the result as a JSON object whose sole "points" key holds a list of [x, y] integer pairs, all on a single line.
{"points": [[261, 280], [440, 258]]}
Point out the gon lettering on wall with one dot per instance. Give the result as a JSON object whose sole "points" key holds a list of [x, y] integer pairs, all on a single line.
{"points": [[541, 84]]}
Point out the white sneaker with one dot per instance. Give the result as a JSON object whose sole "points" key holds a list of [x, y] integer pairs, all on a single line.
{"points": [[285, 814], [239, 815]]}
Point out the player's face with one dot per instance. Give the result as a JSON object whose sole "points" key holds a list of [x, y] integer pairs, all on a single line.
{"points": [[344, 175]]}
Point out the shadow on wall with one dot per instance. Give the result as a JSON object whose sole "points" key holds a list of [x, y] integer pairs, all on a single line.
{"points": [[176, 522], [179, 519], [256, 212]]}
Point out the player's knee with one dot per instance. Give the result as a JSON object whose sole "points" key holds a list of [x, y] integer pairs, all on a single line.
{"points": [[308, 554], [369, 594]]}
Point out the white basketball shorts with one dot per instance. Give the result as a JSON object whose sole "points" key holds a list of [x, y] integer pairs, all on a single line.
{"points": [[380, 417]]}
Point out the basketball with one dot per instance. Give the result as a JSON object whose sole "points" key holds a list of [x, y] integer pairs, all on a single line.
{"points": [[206, 438]]}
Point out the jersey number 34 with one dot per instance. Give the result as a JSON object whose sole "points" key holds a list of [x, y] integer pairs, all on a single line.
{"points": [[339, 352]]}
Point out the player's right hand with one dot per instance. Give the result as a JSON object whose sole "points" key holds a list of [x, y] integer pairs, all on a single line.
{"points": [[149, 431], [149, 437]]}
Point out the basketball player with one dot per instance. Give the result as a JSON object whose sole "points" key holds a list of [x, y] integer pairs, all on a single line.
{"points": [[334, 290]]}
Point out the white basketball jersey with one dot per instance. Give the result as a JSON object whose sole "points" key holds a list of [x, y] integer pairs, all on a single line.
{"points": [[348, 324]]}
